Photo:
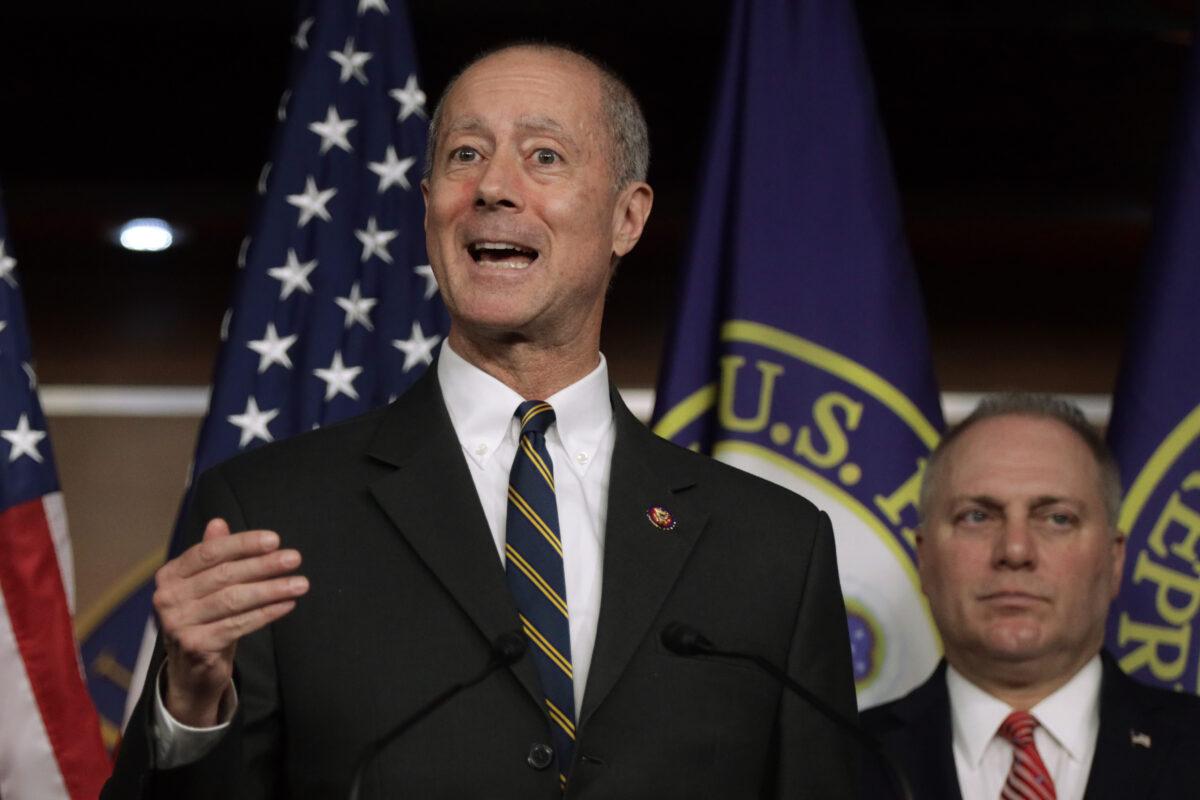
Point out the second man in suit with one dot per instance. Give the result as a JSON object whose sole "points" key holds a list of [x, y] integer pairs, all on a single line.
{"points": [[1019, 555]]}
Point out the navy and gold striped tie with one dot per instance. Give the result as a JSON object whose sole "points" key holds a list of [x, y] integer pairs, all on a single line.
{"points": [[534, 567]]}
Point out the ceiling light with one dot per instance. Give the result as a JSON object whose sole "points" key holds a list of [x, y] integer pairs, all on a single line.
{"points": [[148, 234]]}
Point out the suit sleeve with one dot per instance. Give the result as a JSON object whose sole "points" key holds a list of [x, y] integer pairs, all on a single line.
{"points": [[816, 759], [244, 764]]}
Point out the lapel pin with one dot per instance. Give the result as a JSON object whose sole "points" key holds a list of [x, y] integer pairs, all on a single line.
{"points": [[1139, 739], [661, 518]]}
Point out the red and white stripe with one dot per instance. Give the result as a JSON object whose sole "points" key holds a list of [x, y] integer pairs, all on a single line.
{"points": [[1028, 778], [50, 744]]}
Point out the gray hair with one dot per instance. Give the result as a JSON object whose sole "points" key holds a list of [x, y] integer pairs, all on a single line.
{"points": [[1042, 406], [628, 135]]}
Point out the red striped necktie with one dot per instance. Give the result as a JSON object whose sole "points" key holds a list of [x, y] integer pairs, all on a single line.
{"points": [[1028, 778]]}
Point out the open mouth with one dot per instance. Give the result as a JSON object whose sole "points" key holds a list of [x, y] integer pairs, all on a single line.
{"points": [[502, 255]]}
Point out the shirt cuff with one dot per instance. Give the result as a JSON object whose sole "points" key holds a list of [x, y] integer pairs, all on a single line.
{"points": [[176, 744]]}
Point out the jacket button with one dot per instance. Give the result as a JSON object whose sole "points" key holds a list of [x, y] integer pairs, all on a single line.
{"points": [[540, 755]]}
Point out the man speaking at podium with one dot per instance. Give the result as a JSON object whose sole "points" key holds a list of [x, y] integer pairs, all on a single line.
{"points": [[510, 489]]}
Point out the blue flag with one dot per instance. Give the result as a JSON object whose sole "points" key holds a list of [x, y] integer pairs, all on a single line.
{"points": [[800, 351], [1155, 433], [335, 307]]}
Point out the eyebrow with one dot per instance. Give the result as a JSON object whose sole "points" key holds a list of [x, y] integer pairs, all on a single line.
{"points": [[526, 125], [992, 504]]}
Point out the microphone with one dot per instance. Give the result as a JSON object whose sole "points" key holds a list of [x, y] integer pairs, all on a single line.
{"points": [[684, 640], [507, 649]]}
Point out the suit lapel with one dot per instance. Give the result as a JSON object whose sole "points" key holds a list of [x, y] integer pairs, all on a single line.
{"points": [[924, 743], [1125, 761], [432, 501], [641, 561]]}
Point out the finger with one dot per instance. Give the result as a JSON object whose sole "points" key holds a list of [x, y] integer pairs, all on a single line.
{"points": [[215, 529], [235, 600], [221, 634], [232, 573], [218, 549]]}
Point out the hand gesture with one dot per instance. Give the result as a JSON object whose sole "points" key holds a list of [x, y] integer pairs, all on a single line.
{"points": [[213, 594]]}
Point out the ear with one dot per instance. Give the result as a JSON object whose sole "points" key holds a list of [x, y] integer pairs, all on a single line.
{"points": [[629, 216], [1118, 564], [425, 196], [919, 549]]}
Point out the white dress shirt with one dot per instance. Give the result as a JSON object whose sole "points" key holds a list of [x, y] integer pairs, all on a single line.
{"points": [[482, 411], [1069, 721]]}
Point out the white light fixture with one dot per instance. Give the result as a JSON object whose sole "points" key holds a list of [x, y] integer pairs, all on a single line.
{"points": [[147, 235]]}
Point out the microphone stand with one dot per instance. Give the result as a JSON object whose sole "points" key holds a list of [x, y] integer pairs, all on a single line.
{"points": [[685, 640]]}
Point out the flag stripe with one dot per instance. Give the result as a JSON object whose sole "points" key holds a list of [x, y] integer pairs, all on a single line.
{"points": [[40, 620]]}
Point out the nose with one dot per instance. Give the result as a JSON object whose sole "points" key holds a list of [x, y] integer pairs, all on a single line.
{"points": [[1015, 547], [499, 185]]}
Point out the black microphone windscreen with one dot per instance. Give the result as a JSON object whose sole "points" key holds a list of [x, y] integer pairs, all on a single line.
{"points": [[508, 648]]}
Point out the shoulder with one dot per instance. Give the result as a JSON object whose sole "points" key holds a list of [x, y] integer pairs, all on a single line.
{"points": [[1172, 713], [350, 436], [723, 483], [930, 698]]}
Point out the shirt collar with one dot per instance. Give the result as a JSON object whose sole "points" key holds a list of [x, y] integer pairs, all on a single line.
{"points": [[977, 715], [481, 409]]}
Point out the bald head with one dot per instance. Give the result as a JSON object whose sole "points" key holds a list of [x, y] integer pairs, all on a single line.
{"points": [[627, 140]]}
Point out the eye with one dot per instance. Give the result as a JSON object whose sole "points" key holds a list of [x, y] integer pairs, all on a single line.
{"points": [[973, 516], [464, 154], [1061, 519], [546, 157]]}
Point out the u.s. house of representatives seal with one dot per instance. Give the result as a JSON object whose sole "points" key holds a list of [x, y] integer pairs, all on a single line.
{"points": [[826, 427]]}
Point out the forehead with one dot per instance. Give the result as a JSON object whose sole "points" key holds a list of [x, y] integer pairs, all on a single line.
{"points": [[1015, 456], [523, 84]]}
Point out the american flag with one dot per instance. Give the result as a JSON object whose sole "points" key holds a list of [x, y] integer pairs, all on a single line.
{"points": [[335, 308], [50, 743]]}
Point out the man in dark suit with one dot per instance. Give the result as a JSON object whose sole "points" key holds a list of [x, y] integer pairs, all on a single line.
{"points": [[272, 684], [1019, 555]]}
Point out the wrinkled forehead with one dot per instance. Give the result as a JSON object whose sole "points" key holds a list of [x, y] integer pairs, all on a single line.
{"points": [[1018, 454], [549, 88]]}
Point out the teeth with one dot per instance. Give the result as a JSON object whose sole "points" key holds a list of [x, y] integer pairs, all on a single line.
{"points": [[480, 246]]}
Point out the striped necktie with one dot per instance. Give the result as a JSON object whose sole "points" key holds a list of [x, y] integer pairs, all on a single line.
{"points": [[534, 568], [1028, 778]]}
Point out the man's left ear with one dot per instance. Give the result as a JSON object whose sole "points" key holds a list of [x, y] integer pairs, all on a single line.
{"points": [[629, 216]]}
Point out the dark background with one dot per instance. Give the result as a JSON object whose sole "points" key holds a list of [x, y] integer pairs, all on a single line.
{"points": [[1028, 138]]}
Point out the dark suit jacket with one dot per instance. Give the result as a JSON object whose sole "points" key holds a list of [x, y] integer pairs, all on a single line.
{"points": [[916, 730], [407, 591]]}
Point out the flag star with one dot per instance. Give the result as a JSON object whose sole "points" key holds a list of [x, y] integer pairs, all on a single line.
{"points": [[333, 131], [281, 111], [293, 275], [23, 440], [426, 272], [417, 348], [351, 61], [357, 307], [3, 325], [392, 170], [410, 98], [311, 202], [7, 265], [300, 39], [225, 320], [375, 241], [366, 5], [30, 374], [339, 379], [254, 422], [272, 348]]}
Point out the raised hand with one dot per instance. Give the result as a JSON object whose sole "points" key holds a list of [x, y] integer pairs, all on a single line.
{"points": [[213, 594]]}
